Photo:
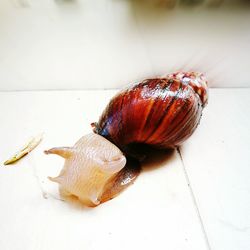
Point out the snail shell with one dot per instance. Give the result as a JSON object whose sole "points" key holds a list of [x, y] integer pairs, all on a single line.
{"points": [[160, 112]]}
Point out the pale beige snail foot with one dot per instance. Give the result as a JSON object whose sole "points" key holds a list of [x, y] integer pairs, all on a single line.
{"points": [[94, 170]]}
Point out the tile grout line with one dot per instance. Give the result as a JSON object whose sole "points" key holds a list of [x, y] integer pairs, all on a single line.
{"points": [[194, 200]]}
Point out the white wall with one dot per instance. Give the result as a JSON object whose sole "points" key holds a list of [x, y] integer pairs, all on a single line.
{"points": [[77, 44]]}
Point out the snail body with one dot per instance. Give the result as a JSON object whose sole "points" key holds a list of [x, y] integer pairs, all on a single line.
{"points": [[90, 164], [160, 112]]}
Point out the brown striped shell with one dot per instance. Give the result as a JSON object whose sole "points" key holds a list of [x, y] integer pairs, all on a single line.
{"points": [[162, 112]]}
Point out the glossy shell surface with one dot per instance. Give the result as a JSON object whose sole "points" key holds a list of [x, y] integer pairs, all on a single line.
{"points": [[162, 112]]}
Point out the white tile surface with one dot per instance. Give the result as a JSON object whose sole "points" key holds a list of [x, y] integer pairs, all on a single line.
{"points": [[217, 161], [156, 212]]}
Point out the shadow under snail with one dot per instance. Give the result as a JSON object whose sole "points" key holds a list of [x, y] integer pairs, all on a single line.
{"points": [[159, 112]]}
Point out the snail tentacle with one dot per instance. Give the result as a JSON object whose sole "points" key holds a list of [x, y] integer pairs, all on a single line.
{"points": [[64, 152]]}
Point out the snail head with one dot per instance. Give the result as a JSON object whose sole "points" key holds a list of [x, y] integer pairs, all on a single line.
{"points": [[89, 165]]}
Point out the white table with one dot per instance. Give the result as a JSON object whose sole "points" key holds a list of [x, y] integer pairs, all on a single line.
{"points": [[199, 202]]}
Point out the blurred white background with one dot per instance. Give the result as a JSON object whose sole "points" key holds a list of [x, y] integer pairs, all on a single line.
{"points": [[100, 44]]}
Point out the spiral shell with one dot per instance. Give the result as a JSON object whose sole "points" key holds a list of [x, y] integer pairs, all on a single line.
{"points": [[162, 112]]}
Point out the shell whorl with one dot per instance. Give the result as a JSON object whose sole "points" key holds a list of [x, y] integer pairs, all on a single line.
{"points": [[196, 81], [162, 112]]}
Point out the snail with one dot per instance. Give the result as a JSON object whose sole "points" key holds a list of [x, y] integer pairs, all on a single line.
{"points": [[159, 112]]}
